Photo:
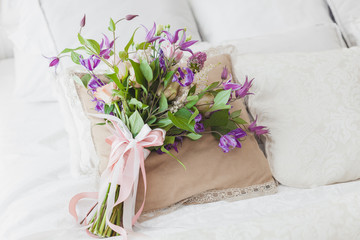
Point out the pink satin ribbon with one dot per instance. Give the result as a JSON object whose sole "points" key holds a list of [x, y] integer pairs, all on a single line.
{"points": [[127, 157]]}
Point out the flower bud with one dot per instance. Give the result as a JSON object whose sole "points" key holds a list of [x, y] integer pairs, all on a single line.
{"points": [[130, 17], [205, 102], [224, 73], [160, 90], [171, 91], [83, 21], [159, 29]]}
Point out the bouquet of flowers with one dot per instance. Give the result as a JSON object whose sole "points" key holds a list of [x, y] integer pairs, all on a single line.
{"points": [[150, 102]]}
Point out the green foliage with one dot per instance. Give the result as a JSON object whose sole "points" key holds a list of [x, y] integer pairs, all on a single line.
{"points": [[111, 25], [75, 57], [92, 45], [163, 103], [168, 78], [221, 100], [136, 123], [181, 122], [219, 118], [138, 74], [131, 41], [146, 70]]}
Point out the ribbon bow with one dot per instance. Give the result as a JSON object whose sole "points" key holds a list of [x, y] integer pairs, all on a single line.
{"points": [[127, 156]]}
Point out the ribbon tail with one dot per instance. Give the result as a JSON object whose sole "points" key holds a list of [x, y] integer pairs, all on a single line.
{"points": [[143, 172], [75, 199]]}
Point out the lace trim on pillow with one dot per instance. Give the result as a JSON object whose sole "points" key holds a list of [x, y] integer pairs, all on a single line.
{"points": [[230, 194]]}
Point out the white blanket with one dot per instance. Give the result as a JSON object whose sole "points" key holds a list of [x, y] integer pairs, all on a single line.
{"points": [[36, 186]]}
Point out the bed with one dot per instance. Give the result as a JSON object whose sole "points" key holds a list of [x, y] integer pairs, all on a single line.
{"points": [[36, 184]]}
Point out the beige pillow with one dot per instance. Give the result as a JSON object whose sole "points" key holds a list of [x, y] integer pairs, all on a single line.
{"points": [[210, 174]]}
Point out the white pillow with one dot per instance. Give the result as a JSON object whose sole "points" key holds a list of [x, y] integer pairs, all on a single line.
{"points": [[347, 15], [300, 40], [314, 38], [311, 104], [232, 19], [45, 27]]}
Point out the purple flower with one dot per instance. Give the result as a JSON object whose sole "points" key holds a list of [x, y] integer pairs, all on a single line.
{"points": [[184, 46], [105, 47], [83, 21], [183, 74], [130, 17], [94, 83], [150, 34], [199, 127], [229, 85], [224, 73], [99, 105], [178, 140], [90, 63], [231, 140], [162, 60], [196, 61], [244, 89], [237, 133], [173, 38], [258, 130]]}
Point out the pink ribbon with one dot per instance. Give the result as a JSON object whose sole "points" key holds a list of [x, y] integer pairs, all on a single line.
{"points": [[126, 158]]}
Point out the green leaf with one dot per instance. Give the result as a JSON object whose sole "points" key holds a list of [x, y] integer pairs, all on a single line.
{"points": [[111, 25], [108, 109], [164, 122], [193, 116], [142, 46], [194, 136], [168, 78], [221, 100], [138, 104], [146, 70], [235, 114], [100, 124], [93, 45], [85, 79], [152, 119], [77, 80], [138, 74], [163, 103], [130, 41], [219, 107], [192, 100], [75, 57], [81, 39], [222, 97], [181, 123], [67, 50], [219, 118], [172, 155], [239, 120], [184, 113], [136, 123], [116, 80], [192, 90], [123, 55], [169, 140]]}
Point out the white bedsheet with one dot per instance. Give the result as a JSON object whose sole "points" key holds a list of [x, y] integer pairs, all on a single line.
{"points": [[36, 185]]}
